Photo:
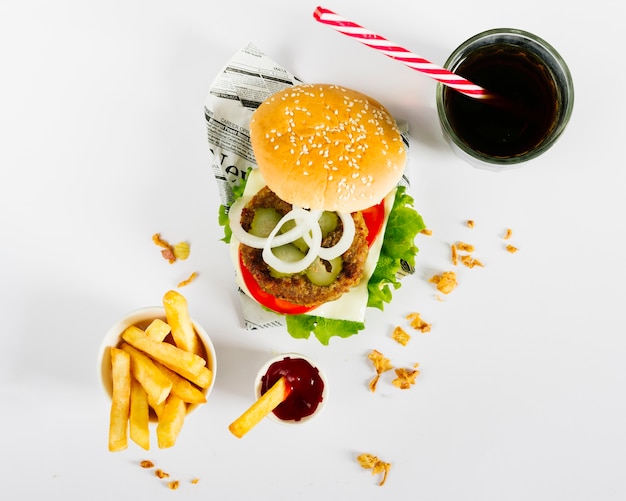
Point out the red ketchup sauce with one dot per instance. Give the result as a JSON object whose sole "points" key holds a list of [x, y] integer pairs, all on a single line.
{"points": [[303, 380]]}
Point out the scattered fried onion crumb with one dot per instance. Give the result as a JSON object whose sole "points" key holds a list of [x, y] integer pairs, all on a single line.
{"points": [[172, 252], [190, 279], [405, 377], [470, 261], [381, 364], [508, 233], [426, 231], [465, 247], [400, 335], [454, 255], [174, 484], [470, 223], [371, 462], [169, 255], [168, 249], [446, 282], [374, 383], [161, 474], [417, 322], [511, 248]]}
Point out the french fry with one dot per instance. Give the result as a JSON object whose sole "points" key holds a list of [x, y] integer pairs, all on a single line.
{"points": [[202, 379], [157, 408], [158, 330], [177, 314], [120, 400], [156, 384], [139, 415], [171, 421], [182, 388], [261, 408], [169, 355]]}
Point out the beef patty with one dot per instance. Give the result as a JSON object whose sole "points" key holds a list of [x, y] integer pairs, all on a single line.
{"points": [[297, 288]]}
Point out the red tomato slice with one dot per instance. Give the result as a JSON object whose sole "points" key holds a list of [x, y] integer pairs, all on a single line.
{"points": [[374, 218], [266, 299]]}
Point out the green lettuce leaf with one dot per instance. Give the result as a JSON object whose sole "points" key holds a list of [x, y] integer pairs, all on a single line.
{"points": [[301, 327], [398, 246], [222, 219], [222, 213]]}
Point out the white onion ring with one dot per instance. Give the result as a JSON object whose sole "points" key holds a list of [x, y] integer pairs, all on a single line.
{"points": [[303, 219], [347, 237], [234, 216]]}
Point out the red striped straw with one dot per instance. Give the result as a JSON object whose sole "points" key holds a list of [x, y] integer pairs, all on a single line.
{"points": [[398, 53]]}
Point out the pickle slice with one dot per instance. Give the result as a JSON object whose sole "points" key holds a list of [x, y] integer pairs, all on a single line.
{"points": [[264, 221], [287, 252], [299, 243], [328, 222], [323, 272]]}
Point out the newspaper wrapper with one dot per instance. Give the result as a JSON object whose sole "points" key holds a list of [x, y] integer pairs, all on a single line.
{"points": [[247, 80]]}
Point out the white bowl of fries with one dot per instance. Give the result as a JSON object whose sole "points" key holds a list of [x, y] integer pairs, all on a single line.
{"points": [[157, 365]]}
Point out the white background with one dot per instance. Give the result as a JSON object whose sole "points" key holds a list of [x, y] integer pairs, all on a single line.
{"points": [[521, 394]]}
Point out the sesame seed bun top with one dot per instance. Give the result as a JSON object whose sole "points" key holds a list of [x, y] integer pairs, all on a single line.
{"points": [[322, 146]]}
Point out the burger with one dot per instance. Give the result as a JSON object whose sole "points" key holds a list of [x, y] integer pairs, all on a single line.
{"points": [[321, 228]]}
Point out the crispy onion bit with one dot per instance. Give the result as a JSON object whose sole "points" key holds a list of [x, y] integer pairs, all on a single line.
{"points": [[303, 219]]}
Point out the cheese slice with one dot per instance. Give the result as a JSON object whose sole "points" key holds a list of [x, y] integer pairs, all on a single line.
{"points": [[350, 306]]}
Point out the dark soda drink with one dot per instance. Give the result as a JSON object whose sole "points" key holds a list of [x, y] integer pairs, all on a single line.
{"points": [[533, 98], [524, 111]]}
